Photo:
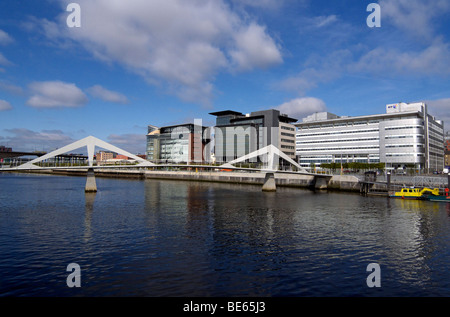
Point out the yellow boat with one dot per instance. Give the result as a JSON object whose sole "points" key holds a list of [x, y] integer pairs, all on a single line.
{"points": [[415, 193]]}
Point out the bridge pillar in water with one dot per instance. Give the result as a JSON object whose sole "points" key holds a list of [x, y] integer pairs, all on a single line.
{"points": [[269, 183], [320, 182], [91, 186], [388, 181]]}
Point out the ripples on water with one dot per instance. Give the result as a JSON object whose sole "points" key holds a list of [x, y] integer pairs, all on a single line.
{"points": [[167, 238]]}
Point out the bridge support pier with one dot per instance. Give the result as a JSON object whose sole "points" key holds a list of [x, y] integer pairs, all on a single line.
{"points": [[269, 183], [320, 182], [91, 186]]}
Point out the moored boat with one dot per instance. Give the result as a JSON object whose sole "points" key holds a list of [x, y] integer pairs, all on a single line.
{"points": [[415, 193], [441, 198]]}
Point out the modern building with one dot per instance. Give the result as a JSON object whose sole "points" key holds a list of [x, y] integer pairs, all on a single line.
{"points": [[183, 143], [237, 134], [406, 136]]}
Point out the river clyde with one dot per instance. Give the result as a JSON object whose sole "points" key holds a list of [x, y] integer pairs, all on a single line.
{"points": [[166, 238]]}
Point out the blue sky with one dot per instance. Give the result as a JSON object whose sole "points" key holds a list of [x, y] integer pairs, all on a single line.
{"points": [[163, 62]]}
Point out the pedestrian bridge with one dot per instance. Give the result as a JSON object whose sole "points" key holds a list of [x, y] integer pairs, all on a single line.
{"points": [[270, 152]]}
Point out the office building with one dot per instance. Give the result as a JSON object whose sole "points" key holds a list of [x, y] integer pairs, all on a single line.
{"points": [[183, 143], [237, 134], [406, 136], [103, 156]]}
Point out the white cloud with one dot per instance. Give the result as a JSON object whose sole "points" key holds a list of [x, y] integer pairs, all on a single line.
{"points": [[133, 143], [433, 60], [255, 49], [107, 95], [5, 38], [322, 21], [11, 88], [440, 108], [51, 94], [22, 139], [302, 107], [5, 105], [183, 44], [317, 70], [4, 61], [263, 4], [416, 17]]}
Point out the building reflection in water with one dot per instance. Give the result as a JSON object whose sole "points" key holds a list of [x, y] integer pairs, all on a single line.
{"points": [[89, 209], [239, 233]]}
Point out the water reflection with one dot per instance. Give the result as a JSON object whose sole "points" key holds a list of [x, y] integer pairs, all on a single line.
{"points": [[89, 209], [259, 236], [168, 238]]}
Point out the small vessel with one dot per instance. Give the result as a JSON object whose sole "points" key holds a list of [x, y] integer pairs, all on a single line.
{"points": [[415, 193], [444, 198], [441, 198]]}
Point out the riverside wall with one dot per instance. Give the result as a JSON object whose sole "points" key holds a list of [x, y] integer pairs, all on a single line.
{"points": [[335, 182]]}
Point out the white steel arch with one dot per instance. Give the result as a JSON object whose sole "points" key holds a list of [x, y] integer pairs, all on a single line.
{"points": [[90, 142], [272, 152]]}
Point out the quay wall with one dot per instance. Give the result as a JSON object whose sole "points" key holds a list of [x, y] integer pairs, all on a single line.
{"points": [[336, 182]]}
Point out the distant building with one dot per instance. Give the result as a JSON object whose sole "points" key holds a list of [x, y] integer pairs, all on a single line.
{"points": [[183, 143], [4, 149], [405, 136], [447, 150], [103, 156], [237, 134]]}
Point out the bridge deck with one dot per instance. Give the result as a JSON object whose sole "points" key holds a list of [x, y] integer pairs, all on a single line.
{"points": [[99, 167]]}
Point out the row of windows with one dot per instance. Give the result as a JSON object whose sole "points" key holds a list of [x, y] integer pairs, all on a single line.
{"points": [[404, 154], [404, 127], [439, 132], [340, 140], [401, 145], [305, 163], [338, 132], [287, 128], [340, 148], [287, 141], [398, 137], [288, 134], [434, 154], [439, 140], [349, 124]]}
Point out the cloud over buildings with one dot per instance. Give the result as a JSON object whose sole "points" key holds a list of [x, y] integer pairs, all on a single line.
{"points": [[182, 44], [5, 38], [107, 95], [54, 94], [22, 139], [300, 108], [5, 105]]}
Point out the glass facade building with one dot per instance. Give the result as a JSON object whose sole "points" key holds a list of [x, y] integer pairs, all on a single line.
{"points": [[176, 144], [406, 136]]}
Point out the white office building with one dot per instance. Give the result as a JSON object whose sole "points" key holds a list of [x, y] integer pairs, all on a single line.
{"points": [[405, 136]]}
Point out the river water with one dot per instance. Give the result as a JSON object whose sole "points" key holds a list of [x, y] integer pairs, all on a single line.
{"points": [[161, 238]]}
